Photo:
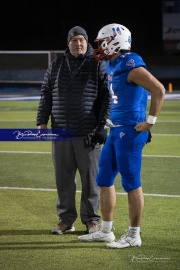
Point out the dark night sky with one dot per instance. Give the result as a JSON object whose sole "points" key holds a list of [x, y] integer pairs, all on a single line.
{"points": [[25, 26]]}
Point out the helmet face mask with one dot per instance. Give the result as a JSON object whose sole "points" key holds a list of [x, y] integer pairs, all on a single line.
{"points": [[111, 39]]}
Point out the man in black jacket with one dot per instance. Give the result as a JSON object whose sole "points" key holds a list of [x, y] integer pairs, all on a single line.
{"points": [[74, 95]]}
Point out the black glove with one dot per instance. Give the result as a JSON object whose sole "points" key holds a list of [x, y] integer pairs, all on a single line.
{"points": [[149, 137], [99, 134]]}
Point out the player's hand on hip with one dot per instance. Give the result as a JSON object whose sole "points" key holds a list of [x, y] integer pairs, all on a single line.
{"points": [[142, 126]]}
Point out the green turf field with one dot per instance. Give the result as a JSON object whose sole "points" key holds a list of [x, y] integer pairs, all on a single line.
{"points": [[28, 198]]}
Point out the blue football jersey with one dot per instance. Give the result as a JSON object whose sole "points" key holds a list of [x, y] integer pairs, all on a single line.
{"points": [[129, 101]]}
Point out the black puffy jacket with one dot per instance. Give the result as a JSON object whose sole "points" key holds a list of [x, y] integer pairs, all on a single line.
{"points": [[74, 93]]}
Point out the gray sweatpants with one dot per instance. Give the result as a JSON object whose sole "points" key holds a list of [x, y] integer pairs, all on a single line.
{"points": [[68, 157]]}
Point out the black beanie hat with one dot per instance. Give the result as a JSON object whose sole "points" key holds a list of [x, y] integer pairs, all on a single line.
{"points": [[76, 30]]}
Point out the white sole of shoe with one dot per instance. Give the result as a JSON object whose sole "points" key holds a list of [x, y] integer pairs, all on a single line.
{"points": [[118, 245], [92, 238]]}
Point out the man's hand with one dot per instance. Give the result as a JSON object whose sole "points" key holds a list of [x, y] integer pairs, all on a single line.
{"points": [[42, 126], [99, 134], [143, 126]]}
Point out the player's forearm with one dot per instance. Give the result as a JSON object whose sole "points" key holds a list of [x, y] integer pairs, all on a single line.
{"points": [[157, 98]]}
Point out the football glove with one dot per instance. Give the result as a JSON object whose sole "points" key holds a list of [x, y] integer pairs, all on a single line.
{"points": [[99, 134]]}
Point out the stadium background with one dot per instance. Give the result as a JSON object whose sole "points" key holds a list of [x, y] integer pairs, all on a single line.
{"points": [[37, 26]]}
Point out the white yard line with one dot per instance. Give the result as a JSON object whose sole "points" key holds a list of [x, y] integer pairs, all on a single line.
{"points": [[169, 96], [78, 191], [37, 152], [24, 152], [118, 193]]}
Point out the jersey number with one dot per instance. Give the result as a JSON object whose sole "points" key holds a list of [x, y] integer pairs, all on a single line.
{"points": [[114, 97]]}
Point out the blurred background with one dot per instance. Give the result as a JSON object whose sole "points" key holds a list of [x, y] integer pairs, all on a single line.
{"points": [[33, 33]]}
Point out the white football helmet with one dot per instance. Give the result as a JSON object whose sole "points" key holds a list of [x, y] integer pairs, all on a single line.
{"points": [[111, 39]]}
